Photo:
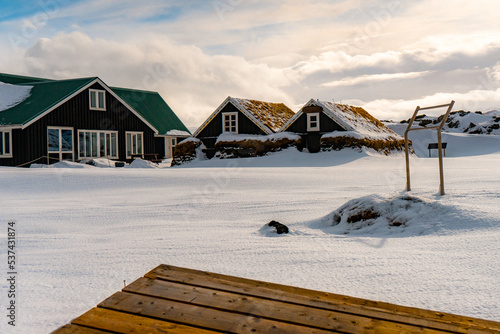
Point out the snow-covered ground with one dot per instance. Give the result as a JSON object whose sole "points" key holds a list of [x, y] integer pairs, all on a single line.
{"points": [[82, 232]]}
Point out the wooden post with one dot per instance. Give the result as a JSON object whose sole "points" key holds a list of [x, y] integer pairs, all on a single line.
{"points": [[407, 153], [440, 149]]}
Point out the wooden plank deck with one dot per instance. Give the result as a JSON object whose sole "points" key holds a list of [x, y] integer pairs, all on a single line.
{"points": [[170, 299]]}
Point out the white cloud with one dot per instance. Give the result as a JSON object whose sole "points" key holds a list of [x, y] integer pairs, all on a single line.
{"points": [[374, 78], [192, 82], [397, 110]]}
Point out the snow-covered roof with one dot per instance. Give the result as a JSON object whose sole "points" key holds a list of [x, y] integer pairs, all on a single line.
{"points": [[355, 120], [12, 95], [268, 116], [179, 133], [272, 115]]}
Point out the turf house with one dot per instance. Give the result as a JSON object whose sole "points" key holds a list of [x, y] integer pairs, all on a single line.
{"points": [[237, 125], [325, 126], [45, 121]]}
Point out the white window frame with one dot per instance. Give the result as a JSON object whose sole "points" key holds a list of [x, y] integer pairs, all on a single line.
{"points": [[98, 150], [127, 149], [2, 149], [97, 92], [230, 128], [170, 143], [60, 151], [312, 125]]}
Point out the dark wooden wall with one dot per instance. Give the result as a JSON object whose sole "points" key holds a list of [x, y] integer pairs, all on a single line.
{"points": [[31, 143], [213, 129], [326, 124]]}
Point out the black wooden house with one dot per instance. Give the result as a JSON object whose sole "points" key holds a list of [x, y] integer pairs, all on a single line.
{"points": [[83, 118], [312, 121], [317, 120], [242, 116]]}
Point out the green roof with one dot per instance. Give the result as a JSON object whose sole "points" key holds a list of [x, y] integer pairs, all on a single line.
{"points": [[46, 94], [43, 96], [153, 108]]}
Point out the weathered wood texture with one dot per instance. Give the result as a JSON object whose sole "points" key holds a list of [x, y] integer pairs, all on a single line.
{"points": [[170, 299]]}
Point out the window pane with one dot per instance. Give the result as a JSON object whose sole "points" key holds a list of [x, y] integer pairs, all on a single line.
{"points": [[81, 143], [139, 143], [94, 144], [108, 144], [102, 143], [67, 156], [7, 142], [53, 139], [1, 144], [92, 99], [101, 100], [129, 144], [114, 147], [174, 141], [134, 144], [67, 140], [88, 150]]}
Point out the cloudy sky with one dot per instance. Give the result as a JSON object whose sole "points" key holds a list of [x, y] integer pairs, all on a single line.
{"points": [[386, 56]]}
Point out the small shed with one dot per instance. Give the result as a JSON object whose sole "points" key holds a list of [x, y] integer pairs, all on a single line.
{"points": [[242, 116], [170, 299]]}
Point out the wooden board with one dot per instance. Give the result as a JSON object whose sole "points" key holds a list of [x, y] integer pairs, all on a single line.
{"points": [[170, 299]]}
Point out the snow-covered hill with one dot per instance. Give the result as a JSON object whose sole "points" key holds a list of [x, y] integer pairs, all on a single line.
{"points": [[464, 122]]}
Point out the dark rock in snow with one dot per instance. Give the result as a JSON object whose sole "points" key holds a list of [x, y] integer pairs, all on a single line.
{"points": [[280, 228]]}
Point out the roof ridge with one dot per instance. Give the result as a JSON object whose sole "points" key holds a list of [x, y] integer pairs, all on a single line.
{"points": [[23, 76], [134, 89]]}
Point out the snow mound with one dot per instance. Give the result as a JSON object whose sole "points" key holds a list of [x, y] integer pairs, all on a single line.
{"points": [[139, 163], [63, 164], [404, 215], [228, 137], [98, 162], [12, 95]]}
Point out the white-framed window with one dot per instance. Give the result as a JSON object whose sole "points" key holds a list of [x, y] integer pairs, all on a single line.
{"points": [[59, 144], [97, 99], [97, 144], [134, 143], [230, 122], [313, 121], [5, 144]]}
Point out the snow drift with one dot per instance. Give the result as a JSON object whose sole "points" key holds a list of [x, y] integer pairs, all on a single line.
{"points": [[406, 215]]}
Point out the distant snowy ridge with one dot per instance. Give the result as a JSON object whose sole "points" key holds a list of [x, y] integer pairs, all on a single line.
{"points": [[12, 95], [464, 122]]}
